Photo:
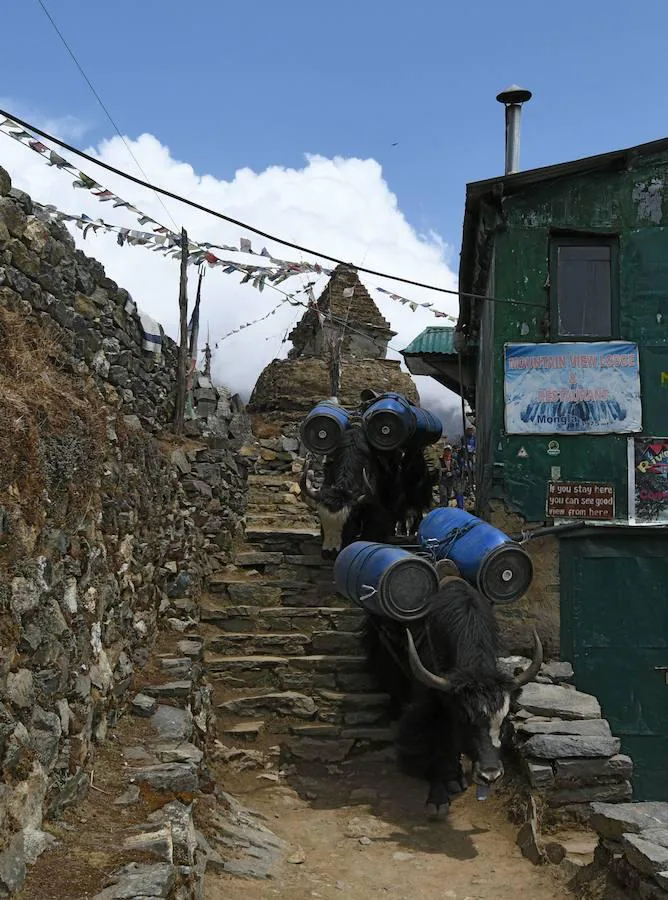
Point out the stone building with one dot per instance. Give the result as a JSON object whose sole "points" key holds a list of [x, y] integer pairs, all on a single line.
{"points": [[346, 316], [568, 382]]}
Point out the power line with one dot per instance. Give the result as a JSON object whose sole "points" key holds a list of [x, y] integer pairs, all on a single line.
{"points": [[259, 232], [100, 101]]}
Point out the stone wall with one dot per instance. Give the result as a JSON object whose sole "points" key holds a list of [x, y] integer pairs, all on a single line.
{"points": [[107, 526], [569, 760], [287, 389], [631, 859]]}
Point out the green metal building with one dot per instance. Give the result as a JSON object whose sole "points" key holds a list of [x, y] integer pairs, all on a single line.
{"points": [[569, 386]]}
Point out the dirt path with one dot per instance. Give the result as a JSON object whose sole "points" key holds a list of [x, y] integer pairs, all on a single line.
{"points": [[349, 840]]}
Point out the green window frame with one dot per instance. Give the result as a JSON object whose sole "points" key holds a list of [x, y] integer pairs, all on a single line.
{"points": [[584, 287]]}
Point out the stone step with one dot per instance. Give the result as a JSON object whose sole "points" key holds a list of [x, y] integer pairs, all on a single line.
{"points": [[174, 690], [294, 546], [282, 516], [334, 744], [262, 497], [275, 502], [287, 643], [257, 559], [282, 575], [216, 663], [290, 704], [278, 520], [305, 620], [263, 533], [265, 592], [346, 642], [246, 732], [353, 709], [258, 643], [250, 557], [290, 673], [272, 480], [277, 709]]}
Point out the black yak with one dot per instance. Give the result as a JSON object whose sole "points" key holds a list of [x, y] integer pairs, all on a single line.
{"points": [[358, 494], [417, 486], [442, 674]]}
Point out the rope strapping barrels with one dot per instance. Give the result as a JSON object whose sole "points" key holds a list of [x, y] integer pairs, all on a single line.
{"points": [[447, 543]]}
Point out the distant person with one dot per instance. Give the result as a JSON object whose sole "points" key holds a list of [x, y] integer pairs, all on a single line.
{"points": [[450, 477], [459, 456], [469, 437]]}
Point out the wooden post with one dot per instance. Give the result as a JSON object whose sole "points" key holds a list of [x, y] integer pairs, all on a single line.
{"points": [[207, 355], [334, 366], [182, 367]]}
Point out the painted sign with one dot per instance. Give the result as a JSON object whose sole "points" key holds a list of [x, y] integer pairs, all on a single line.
{"points": [[580, 500], [650, 477], [572, 388]]}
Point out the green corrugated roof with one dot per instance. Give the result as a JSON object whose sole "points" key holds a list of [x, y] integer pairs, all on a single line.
{"points": [[435, 339]]}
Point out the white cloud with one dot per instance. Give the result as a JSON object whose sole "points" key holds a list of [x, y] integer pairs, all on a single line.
{"points": [[67, 128], [341, 206]]}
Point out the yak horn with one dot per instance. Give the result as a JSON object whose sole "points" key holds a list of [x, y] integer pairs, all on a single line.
{"points": [[531, 670], [369, 490], [424, 675], [366, 481], [305, 486]]}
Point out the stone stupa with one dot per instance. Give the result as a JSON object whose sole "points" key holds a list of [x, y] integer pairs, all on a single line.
{"points": [[344, 316]]}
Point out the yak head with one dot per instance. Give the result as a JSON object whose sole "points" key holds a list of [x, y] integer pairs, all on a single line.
{"points": [[345, 491], [479, 702]]}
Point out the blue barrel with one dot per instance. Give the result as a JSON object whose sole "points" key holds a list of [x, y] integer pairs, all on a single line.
{"points": [[389, 421], [323, 427], [386, 580], [428, 428], [486, 557]]}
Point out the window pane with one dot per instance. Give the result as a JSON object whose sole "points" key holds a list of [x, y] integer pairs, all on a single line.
{"points": [[584, 290]]}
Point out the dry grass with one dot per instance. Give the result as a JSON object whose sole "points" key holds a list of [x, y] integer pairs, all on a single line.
{"points": [[51, 427]]}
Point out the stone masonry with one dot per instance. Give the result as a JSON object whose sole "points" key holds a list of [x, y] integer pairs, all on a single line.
{"points": [[108, 528], [344, 314]]}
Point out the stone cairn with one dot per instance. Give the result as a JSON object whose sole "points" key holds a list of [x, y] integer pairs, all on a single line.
{"points": [[345, 315]]}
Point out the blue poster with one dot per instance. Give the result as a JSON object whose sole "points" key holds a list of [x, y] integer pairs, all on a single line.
{"points": [[573, 388]]}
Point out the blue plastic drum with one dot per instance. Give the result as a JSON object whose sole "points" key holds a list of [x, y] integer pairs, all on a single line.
{"points": [[389, 422], [324, 426], [386, 580], [486, 557], [428, 428]]}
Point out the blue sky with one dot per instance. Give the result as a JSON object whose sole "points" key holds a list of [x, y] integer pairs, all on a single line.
{"points": [[227, 85], [292, 110]]}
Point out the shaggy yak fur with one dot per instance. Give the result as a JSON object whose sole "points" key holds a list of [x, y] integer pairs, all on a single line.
{"points": [[417, 484], [358, 493], [448, 691], [367, 495]]}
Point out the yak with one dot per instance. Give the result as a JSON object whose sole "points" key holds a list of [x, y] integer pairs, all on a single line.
{"points": [[417, 485], [358, 493], [443, 677]]}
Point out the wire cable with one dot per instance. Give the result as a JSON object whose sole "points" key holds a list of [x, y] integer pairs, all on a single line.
{"points": [[259, 232], [100, 101]]}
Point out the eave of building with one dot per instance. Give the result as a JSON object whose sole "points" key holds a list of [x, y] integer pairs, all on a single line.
{"points": [[432, 354]]}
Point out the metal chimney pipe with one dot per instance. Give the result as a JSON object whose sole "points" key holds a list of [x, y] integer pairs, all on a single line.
{"points": [[513, 98]]}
